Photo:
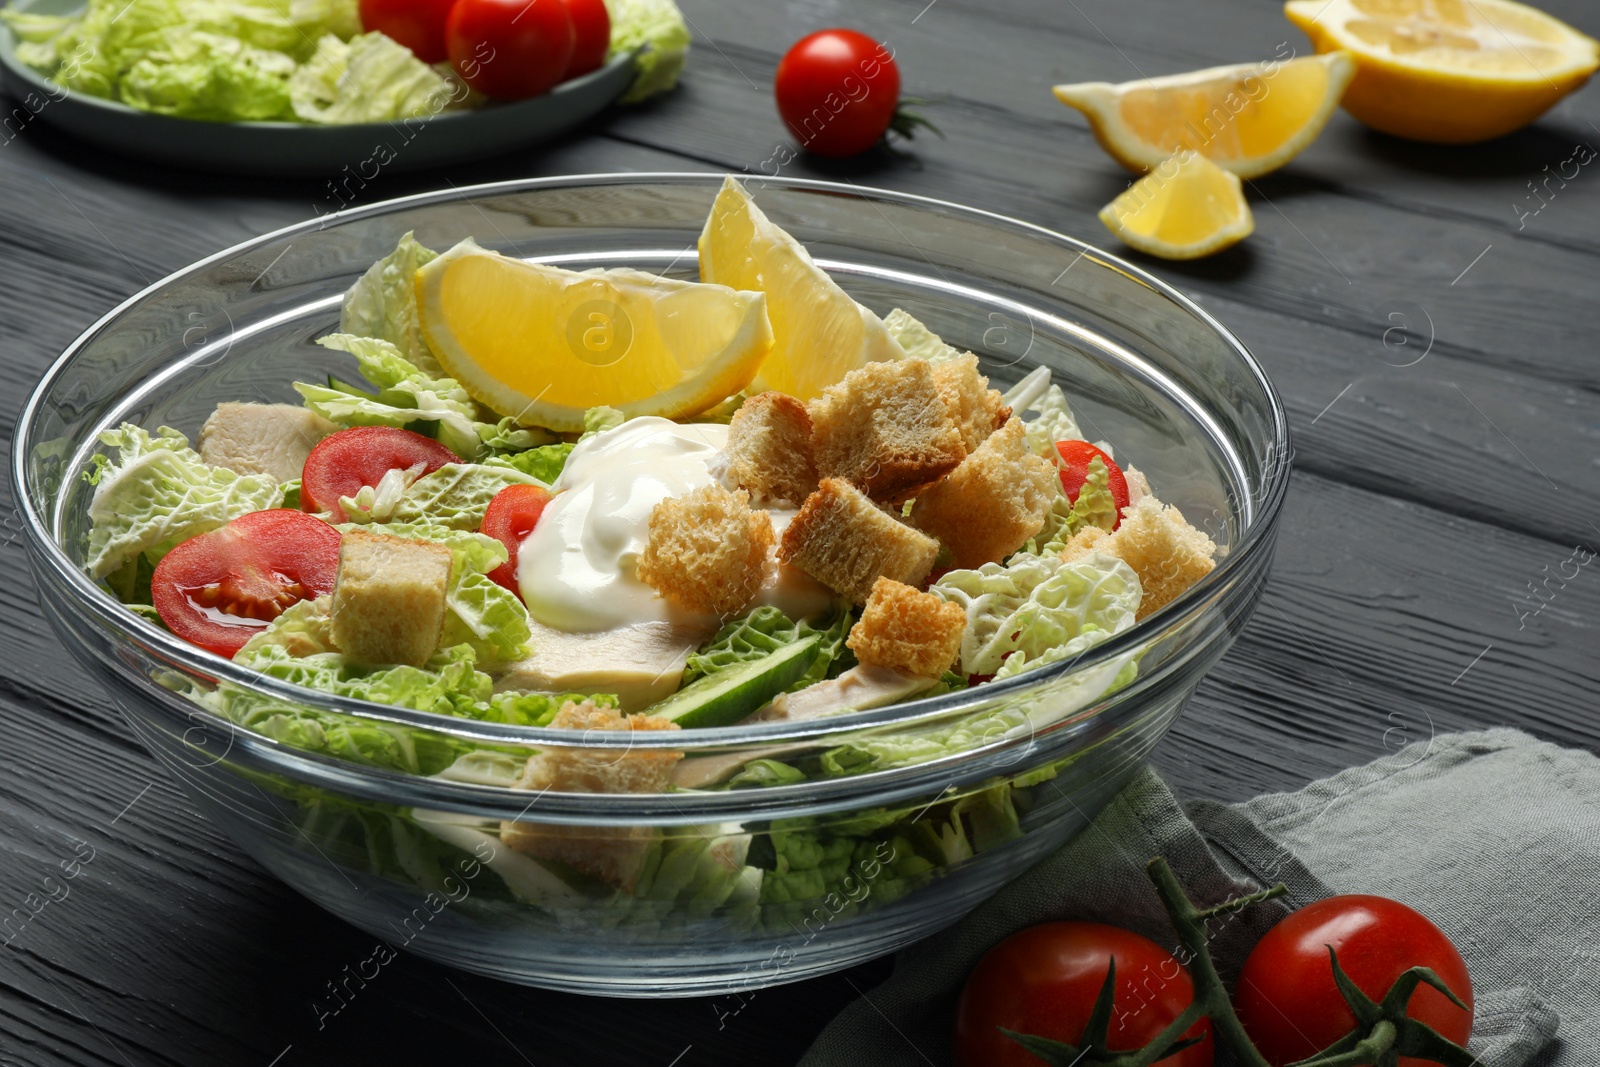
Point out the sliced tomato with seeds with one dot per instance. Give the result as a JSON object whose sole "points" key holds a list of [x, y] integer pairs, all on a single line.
{"points": [[219, 589], [344, 462], [511, 517], [1075, 459]]}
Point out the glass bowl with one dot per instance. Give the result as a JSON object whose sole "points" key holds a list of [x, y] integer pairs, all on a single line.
{"points": [[907, 816]]}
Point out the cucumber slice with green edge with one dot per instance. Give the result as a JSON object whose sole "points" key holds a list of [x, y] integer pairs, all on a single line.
{"points": [[729, 695]]}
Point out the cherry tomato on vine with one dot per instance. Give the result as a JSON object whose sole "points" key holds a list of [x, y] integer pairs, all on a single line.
{"points": [[510, 49], [344, 462], [219, 589], [1044, 981], [417, 24], [1286, 996], [510, 517], [1075, 457], [837, 91], [591, 40]]}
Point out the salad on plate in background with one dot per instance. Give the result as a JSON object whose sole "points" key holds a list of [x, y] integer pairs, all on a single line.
{"points": [[343, 61], [612, 500]]}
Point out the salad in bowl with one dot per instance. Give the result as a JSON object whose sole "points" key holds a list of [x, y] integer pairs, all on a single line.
{"points": [[684, 625]]}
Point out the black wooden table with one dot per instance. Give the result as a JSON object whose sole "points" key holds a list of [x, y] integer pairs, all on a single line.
{"points": [[1430, 320]]}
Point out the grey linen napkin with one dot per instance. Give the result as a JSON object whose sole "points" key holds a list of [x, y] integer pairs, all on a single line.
{"points": [[1495, 836]]}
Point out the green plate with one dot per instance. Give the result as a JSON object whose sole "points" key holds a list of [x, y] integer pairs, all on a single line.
{"points": [[289, 148]]}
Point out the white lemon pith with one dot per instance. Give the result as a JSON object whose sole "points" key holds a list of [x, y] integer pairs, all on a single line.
{"points": [[542, 344], [1449, 71], [819, 333], [1249, 118], [1185, 208]]}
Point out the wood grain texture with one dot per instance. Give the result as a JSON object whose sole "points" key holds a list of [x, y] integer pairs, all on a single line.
{"points": [[1428, 494]]}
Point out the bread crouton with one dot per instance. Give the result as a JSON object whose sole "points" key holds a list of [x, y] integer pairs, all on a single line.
{"points": [[1166, 552], [886, 429], [769, 449], [613, 854], [1085, 541], [271, 439], [389, 598], [908, 630], [846, 542], [707, 551], [977, 410], [988, 507]]}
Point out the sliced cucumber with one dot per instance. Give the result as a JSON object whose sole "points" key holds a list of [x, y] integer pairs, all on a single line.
{"points": [[729, 695]]}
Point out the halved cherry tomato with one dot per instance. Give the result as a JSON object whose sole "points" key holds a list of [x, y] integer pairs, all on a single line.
{"points": [[1075, 457], [511, 516], [417, 24], [350, 459], [837, 91], [591, 26], [221, 588], [510, 49], [1287, 999], [1044, 981]]}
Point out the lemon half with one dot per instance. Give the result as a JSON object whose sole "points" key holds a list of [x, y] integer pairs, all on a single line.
{"points": [[543, 345], [1449, 71]]}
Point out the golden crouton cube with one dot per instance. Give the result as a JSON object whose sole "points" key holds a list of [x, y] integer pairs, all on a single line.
{"points": [[988, 507], [613, 854], [886, 429], [389, 598], [846, 542], [977, 410], [908, 630], [1165, 552], [769, 448], [707, 551]]}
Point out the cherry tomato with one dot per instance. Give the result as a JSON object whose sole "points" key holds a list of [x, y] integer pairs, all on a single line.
{"points": [[417, 24], [511, 516], [1075, 457], [219, 589], [1286, 996], [344, 462], [1044, 980], [591, 27], [837, 91], [510, 49]]}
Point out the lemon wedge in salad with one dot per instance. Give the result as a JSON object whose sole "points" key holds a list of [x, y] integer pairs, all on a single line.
{"points": [[1249, 118], [1449, 71], [819, 333], [1185, 208], [542, 344]]}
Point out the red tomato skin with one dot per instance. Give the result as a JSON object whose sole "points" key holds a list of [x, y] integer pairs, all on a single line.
{"points": [[510, 517], [343, 462], [510, 49], [1286, 997], [417, 24], [1044, 980], [1075, 457], [837, 91], [259, 564], [591, 40]]}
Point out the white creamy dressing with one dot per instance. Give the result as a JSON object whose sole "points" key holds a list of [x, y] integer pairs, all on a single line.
{"points": [[577, 568]]}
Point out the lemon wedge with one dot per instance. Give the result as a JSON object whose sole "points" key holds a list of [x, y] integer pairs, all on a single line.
{"points": [[819, 333], [1187, 207], [1249, 118], [543, 345], [1449, 71]]}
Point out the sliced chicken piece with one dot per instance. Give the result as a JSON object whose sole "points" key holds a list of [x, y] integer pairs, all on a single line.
{"points": [[271, 439], [641, 664]]}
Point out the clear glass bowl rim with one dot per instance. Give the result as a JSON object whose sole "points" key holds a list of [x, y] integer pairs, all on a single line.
{"points": [[1255, 535]]}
